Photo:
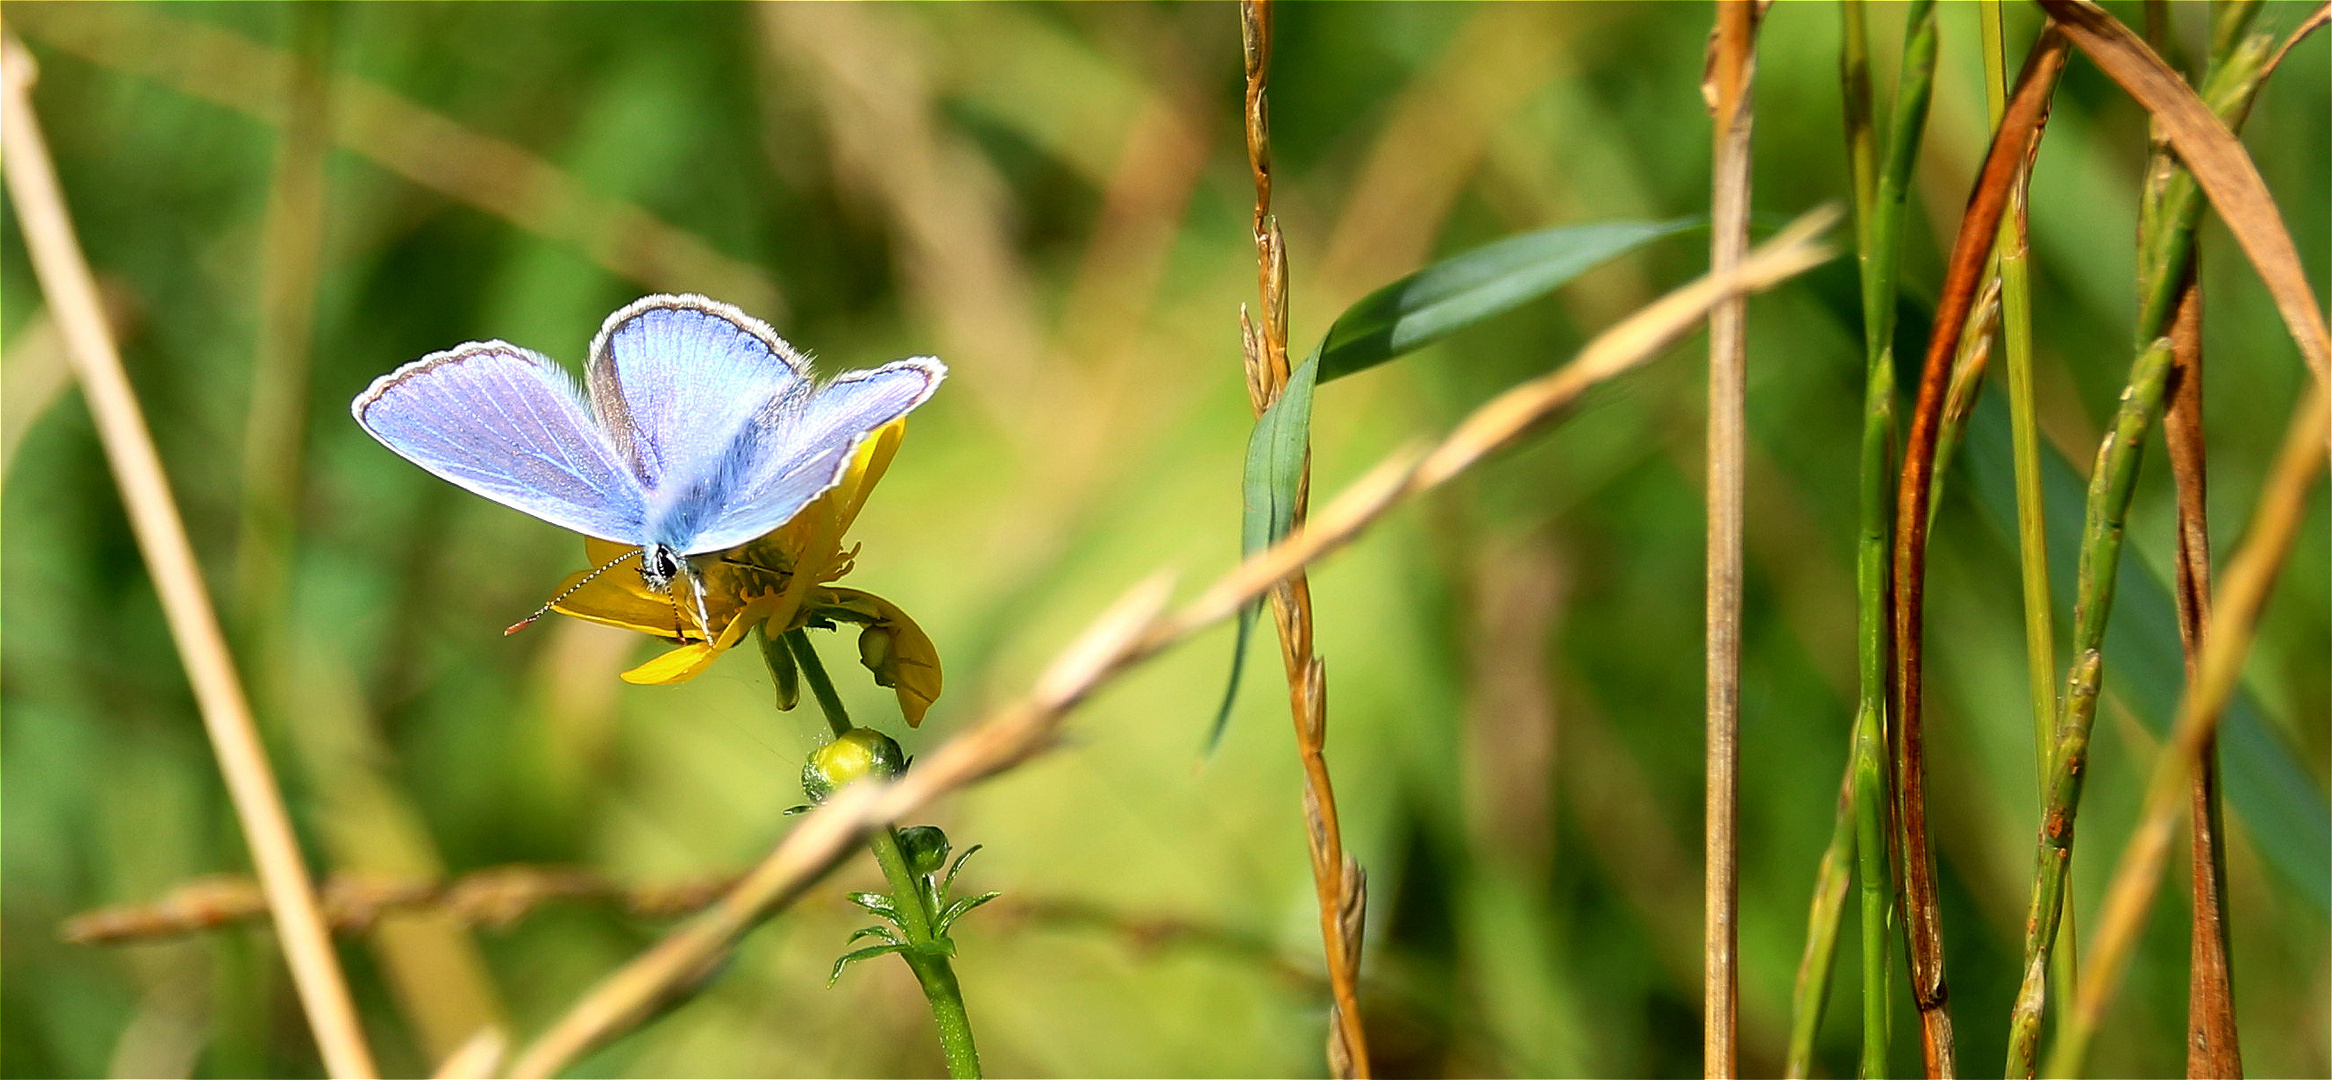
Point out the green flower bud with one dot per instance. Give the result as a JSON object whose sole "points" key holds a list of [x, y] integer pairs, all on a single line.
{"points": [[860, 753], [925, 848]]}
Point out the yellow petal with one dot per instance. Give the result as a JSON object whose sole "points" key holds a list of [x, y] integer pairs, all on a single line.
{"points": [[911, 668], [677, 666]]}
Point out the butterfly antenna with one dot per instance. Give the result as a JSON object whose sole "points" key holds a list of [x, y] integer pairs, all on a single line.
{"points": [[567, 592]]}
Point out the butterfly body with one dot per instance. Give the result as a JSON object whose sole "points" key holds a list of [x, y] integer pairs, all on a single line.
{"points": [[697, 429]]}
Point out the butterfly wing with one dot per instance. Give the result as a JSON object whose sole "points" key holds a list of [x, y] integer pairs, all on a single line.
{"points": [[793, 455], [678, 379], [510, 425]]}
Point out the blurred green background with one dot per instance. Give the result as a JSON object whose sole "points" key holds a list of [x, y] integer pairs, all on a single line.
{"points": [[1055, 199]]}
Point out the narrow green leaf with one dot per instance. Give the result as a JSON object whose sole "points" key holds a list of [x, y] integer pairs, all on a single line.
{"points": [[879, 904], [958, 864], [956, 910], [1400, 318], [1469, 287], [868, 953], [1276, 453], [883, 932]]}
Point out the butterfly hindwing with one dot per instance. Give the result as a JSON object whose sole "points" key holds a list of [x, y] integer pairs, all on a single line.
{"points": [[778, 467], [510, 425]]}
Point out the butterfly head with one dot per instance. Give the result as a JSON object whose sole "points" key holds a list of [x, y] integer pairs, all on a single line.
{"points": [[659, 565]]}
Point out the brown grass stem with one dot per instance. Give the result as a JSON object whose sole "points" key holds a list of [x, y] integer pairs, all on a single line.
{"points": [[65, 280], [1732, 67], [1133, 630], [2012, 147], [354, 903], [1341, 885], [2213, 1048], [2251, 573]]}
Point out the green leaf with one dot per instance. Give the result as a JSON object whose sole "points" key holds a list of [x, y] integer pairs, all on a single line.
{"points": [[880, 904], [958, 864], [956, 910], [868, 953], [1400, 318], [883, 932], [1469, 287]]}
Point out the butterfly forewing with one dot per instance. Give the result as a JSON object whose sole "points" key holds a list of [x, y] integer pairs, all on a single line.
{"points": [[510, 425], [679, 379]]}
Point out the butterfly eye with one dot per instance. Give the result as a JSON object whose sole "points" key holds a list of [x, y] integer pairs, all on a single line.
{"points": [[658, 566]]}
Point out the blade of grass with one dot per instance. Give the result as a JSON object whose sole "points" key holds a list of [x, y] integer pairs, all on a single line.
{"points": [[2013, 256], [1810, 992], [2250, 574], [2012, 147], [65, 279]]}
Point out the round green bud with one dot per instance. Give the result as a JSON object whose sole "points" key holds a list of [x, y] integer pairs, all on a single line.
{"points": [[855, 755], [925, 848]]}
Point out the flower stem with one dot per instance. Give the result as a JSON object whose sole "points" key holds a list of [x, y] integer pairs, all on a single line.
{"points": [[821, 687], [925, 954]]}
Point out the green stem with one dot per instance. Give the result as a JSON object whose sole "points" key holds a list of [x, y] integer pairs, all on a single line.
{"points": [[1810, 995], [1873, 868], [2169, 213], [814, 672], [926, 955], [2016, 341], [1880, 192], [2032, 540], [2101, 541]]}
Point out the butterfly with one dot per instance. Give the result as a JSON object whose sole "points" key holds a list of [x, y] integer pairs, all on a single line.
{"points": [[697, 429]]}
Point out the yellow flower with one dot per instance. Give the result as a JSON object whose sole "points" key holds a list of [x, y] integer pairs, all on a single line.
{"points": [[783, 580]]}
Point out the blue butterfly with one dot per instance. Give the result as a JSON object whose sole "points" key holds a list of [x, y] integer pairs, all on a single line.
{"points": [[703, 429]]}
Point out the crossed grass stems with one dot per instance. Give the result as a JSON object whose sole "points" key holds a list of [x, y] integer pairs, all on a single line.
{"points": [[1138, 627]]}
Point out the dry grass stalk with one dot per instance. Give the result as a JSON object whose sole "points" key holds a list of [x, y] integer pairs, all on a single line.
{"points": [[355, 903], [2212, 1049], [161, 535], [1732, 66], [1133, 630], [2251, 573], [2212, 1046], [1336, 876], [2012, 147]]}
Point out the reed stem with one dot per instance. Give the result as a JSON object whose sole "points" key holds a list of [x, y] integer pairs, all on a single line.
{"points": [[1733, 69]]}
